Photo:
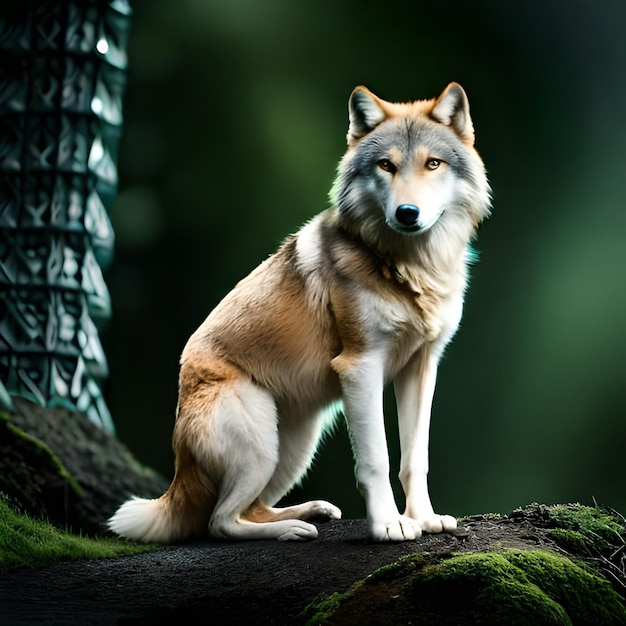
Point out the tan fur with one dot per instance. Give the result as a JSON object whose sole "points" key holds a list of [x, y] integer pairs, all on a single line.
{"points": [[258, 512], [271, 336], [343, 307]]}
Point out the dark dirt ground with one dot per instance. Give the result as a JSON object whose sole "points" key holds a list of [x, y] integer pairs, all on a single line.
{"points": [[262, 582]]}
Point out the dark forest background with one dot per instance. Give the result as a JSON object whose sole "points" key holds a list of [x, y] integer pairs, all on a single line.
{"points": [[235, 118]]}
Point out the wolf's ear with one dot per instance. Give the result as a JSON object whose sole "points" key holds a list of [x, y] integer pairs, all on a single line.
{"points": [[452, 109], [365, 111]]}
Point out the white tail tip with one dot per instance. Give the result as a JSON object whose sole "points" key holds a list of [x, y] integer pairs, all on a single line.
{"points": [[142, 520]]}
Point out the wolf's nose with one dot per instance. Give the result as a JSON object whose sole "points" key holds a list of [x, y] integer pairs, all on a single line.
{"points": [[407, 214]]}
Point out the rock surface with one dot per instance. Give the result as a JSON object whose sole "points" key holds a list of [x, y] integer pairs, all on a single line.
{"points": [[262, 582]]}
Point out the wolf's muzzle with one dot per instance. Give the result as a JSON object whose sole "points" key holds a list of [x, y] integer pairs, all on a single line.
{"points": [[407, 214]]}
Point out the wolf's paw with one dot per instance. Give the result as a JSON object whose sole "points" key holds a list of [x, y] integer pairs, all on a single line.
{"points": [[296, 530], [437, 523], [323, 511], [401, 529]]}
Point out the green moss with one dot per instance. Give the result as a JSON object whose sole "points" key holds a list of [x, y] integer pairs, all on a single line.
{"points": [[506, 587], [323, 608], [586, 531], [491, 585], [587, 597], [572, 541], [31, 543]]}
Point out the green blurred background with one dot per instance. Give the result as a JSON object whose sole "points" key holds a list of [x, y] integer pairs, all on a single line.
{"points": [[235, 118]]}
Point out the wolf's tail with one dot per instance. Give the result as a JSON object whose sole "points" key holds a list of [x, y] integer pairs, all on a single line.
{"points": [[183, 511]]}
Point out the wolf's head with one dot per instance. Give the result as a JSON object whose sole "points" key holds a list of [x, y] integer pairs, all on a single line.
{"points": [[411, 168]]}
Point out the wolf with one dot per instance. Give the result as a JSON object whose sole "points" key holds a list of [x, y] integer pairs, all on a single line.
{"points": [[366, 293]]}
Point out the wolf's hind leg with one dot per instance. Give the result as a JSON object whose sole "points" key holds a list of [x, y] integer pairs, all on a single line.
{"points": [[312, 510], [257, 521], [249, 452], [298, 440]]}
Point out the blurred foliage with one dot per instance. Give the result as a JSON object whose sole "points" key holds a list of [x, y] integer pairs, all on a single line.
{"points": [[235, 118]]}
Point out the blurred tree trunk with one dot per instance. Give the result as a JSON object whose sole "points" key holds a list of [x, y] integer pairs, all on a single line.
{"points": [[62, 76]]}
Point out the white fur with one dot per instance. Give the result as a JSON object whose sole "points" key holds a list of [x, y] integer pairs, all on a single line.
{"points": [[414, 388], [431, 196], [309, 249], [363, 401], [139, 519]]}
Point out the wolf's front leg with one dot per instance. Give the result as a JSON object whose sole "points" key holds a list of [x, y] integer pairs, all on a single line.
{"points": [[414, 388], [362, 386]]}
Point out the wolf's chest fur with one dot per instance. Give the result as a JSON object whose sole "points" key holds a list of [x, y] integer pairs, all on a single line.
{"points": [[374, 303], [404, 308], [434, 305], [419, 295]]}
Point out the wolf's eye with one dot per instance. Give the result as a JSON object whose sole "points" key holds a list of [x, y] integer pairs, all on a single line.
{"points": [[387, 166], [433, 164]]}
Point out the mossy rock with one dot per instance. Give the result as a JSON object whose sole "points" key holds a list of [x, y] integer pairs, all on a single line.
{"points": [[507, 586], [57, 465], [511, 587], [33, 476]]}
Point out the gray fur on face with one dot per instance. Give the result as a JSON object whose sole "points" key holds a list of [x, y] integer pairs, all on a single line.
{"points": [[409, 135], [357, 172]]}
